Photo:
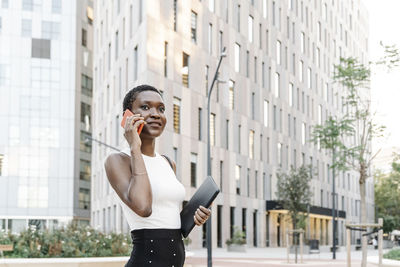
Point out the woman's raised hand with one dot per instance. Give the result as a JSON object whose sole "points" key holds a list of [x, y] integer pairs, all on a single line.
{"points": [[131, 130]]}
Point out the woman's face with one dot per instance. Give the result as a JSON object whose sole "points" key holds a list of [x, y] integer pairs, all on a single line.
{"points": [[150, 105]]}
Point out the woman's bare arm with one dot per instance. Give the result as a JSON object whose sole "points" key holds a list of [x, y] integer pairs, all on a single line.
{"points": [[128, 177]]}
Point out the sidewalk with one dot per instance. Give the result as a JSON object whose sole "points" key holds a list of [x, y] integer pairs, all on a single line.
{"points": [[277, 257]]}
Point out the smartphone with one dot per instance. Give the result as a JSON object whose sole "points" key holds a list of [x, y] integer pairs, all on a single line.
{"points": [[128, 113]]}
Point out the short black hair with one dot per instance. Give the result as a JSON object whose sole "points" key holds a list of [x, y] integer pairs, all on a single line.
{"points": [[130, 97]]}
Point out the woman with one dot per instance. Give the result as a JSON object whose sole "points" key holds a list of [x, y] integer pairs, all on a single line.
{"points": [[146, 183]]}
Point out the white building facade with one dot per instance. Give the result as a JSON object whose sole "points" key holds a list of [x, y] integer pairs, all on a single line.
{"points": [[274, 86], [45, 96]]}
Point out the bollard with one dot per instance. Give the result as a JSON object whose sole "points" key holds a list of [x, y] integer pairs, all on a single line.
{"points": [[348, 244], [380, 241]]}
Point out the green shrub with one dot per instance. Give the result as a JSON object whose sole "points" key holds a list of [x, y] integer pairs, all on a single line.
{"points": [[394, 254], [71, 241], [238, 237]]}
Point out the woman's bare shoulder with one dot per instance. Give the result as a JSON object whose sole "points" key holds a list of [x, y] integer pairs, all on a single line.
{"points": [[117, 160]]}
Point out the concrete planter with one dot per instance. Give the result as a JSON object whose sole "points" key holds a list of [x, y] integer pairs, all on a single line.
{"points": [[66, 262], [387, 244], [306, 249], [236, 248]]}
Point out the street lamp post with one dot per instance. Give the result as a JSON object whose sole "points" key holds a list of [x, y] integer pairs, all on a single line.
{"points": [[333, 206], [208, 223]]}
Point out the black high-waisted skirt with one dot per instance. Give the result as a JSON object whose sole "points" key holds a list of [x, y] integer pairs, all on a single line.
{"points": [[157, 247]]}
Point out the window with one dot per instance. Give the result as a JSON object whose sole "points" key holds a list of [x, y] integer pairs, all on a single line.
{"points": [[193, 28], [278, 52], [303, 133], [175, 14], [266, 112], [291, 94], [193, 170], [322, 198], [1, 164], [177, 114], [275, 117], [211, 5], [85, 113], [237, 57], [301, 70], [253, 105], [309, 78], [185, 69], [255, 69], [117, 125], [27, 5], [84, 37], [135, 63], [319, 30], [226, 134], [116, 45], [238, 18], [86, 144], [4, 4], [206, 69], [221, 41], [41, 48], [130, 21], [56, 6], [273, 14], [265, 9], [319, 114], [4, 74], [50, 30], [210, 27], [86, 85], [263, 74], [248, 182], [326, 92], [239, 138], [140, 11], [251, 144], [85, 170], [277, 85], [247, 63], [89, 13], [279, 154], [200, 120], [237, 178], [1, 24], [165, 59], [212, 129], [231, 94], [250, 23], [26, 27], [84, 198]]}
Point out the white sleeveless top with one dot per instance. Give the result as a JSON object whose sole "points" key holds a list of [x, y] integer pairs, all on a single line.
{"points": [[168, 194]]}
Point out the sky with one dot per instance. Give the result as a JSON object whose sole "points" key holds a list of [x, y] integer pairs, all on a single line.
{"points": [[384, 22]]}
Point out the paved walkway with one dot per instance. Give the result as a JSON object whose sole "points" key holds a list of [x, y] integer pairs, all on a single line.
{"points": [[256, 257]]}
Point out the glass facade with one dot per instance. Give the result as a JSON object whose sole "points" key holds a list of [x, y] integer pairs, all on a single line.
{"points": [[39, 136]]}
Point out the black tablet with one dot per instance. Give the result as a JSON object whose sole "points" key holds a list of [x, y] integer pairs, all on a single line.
{"points": [[204, 196]]}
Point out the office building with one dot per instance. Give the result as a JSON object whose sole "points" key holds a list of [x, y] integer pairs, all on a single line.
{"points": [[273, 87], [45, 112]]}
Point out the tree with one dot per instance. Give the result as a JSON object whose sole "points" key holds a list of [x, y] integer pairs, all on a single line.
{"points": [[331, 136], [294, 194], [356, 122], [387, 198]]}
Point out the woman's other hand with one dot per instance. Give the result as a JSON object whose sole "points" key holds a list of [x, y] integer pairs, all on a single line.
{"points": [[201, 215]]}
